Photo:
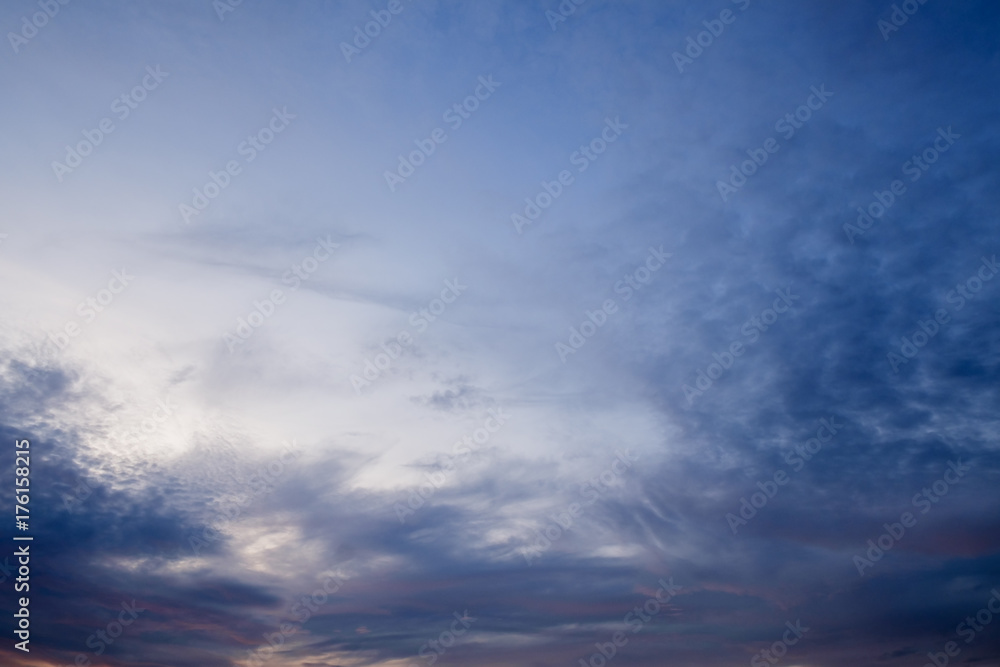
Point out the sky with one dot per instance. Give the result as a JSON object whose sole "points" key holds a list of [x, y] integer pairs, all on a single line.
{"points": [[403, 332]]}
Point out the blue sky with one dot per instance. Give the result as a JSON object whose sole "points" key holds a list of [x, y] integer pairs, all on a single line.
{"points": [[616, 326]]}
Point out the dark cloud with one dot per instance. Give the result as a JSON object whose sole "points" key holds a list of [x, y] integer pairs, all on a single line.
{"points": [[224, 546]]}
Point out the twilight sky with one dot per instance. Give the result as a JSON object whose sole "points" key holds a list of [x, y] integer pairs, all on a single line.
{"points": [[408, 332]]}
